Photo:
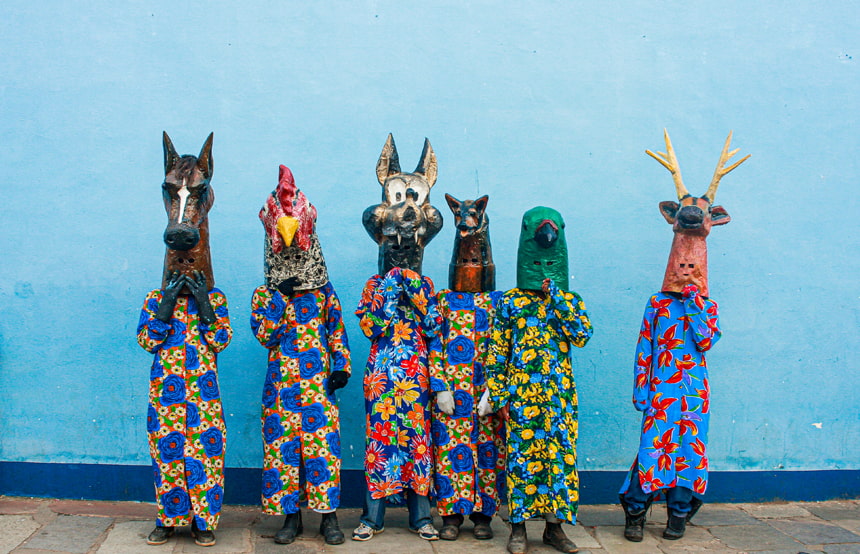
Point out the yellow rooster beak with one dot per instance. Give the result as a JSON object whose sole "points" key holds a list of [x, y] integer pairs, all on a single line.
{"points": [[287, 227]]}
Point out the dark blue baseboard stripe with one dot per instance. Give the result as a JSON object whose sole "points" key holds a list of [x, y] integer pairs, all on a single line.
{"points": [[124, 482]]}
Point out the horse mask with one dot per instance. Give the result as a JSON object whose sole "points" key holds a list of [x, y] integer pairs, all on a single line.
{"points": [[187, 200], [292, 251], [404, 222], [542, 253]]}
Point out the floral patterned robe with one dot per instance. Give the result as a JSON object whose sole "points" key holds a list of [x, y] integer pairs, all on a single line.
{"points": [[398, 314], [187, 435], [469, 468], [306, 339], [671, 389], [529, 369]]}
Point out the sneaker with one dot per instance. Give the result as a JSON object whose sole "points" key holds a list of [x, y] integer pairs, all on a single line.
{"points": [[427, 532], [365, 532]]}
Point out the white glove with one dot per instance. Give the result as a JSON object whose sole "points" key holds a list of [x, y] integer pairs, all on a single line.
{"points": [[445, 402], [484, 407]]}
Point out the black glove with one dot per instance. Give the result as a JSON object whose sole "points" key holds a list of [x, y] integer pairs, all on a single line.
{"points": [[337, 380], [198, 288], [169, 294], [289, 286]]}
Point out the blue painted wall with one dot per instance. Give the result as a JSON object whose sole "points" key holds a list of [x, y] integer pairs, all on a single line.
{"points": [[546, 103]]}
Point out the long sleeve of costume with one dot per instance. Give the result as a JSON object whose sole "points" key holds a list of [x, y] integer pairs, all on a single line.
{"points": [[338, 344], [570, 311], [499, 355], [440, 379], [218, 334], [267, 310], [642, 363], [377, 305], [423, 298], [704, 319], [151, 331]]}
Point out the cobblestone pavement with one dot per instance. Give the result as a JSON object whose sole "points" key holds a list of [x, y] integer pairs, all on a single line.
{"points": [[43, 526]]}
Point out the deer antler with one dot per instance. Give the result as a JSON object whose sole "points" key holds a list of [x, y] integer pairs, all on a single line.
{"points": [[719, 173], [670, 162]]}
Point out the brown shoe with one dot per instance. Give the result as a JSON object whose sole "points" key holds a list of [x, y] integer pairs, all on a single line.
{"points": [[201, 537], [554, 536]]}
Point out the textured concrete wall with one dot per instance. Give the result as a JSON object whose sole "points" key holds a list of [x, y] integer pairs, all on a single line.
{"points": [[539, 103]]}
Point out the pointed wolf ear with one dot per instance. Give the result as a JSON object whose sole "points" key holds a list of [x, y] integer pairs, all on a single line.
{"points": [[204, 160], [719, 215], [481, 204], [389, 162], [170, 155], [427, 166], [453, 203], [669, 209]]}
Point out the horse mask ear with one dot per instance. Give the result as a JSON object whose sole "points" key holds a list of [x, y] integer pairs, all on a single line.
{"points": [[204, 160], [170, 155]]}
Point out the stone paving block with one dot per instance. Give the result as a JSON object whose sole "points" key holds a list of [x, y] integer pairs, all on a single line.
{"points": [[75, 534], [15, 529], [126, 510], [696, 539], [239, 516], [229, 541], [301, 546], [129, 537], [813, 532], [613, 541], [600, 515], [774, 511], [834, 509], [852, 525], [755, 537], [722, 514], [14, 505], [841, 549], [394, 540]]}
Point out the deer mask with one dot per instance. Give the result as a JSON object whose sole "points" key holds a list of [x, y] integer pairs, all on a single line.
{"points": [[292, 251], [187, 200], [691, 219], [404, 222]]}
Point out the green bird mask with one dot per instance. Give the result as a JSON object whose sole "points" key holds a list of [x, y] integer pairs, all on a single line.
{"points": [[542, 252]]}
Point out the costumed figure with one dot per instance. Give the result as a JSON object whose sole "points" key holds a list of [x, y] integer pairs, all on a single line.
{"points": [[398, 314], [530, 380], [297, 316], [670, 372], [469, 468], [185, 324]]}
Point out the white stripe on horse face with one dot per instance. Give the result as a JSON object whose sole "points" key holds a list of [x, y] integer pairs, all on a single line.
{"points": [[183, 196]]}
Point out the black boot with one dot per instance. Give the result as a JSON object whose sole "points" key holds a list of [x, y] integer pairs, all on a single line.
{"points": [[695, 504], [675, 527], [330, 530], [634, 522], [517, 543], [450, 527], [292, 528], [482, 530], [202, 538], [553, 535], [159, 535]]}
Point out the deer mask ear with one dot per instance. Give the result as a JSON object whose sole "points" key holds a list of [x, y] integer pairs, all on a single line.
{"points": [[204, 160], [719, 215], [427, 166], [170, 155], [453, 203], [389, 163], [669, 209]]}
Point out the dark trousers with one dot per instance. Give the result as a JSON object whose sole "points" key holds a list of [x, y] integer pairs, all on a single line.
{"points": [[677, 498]]}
